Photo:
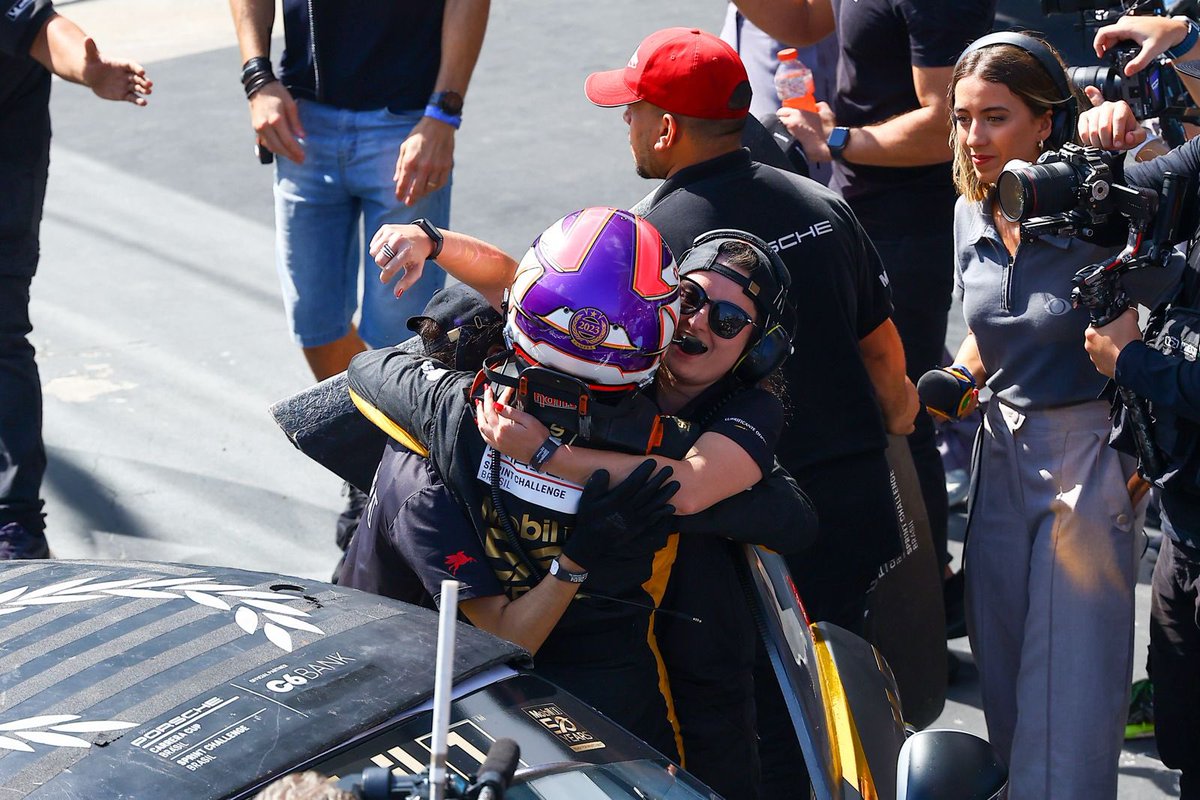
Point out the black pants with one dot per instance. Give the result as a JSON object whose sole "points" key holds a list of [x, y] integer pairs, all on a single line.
{"points": [[917, 250], [921, 271], [858, 533], [24, 165], [1175, 661]]}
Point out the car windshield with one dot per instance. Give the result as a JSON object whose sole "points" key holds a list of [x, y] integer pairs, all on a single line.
{"points": [[628, 780]]}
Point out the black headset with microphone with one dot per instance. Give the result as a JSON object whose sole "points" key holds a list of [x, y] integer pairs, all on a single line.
{"points": [[768, 286]]}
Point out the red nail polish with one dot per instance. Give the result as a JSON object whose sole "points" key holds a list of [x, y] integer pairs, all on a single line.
{"points": [[498, 406]]}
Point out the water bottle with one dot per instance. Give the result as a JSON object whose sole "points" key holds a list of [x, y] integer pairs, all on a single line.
{"points": [[794, 82]]}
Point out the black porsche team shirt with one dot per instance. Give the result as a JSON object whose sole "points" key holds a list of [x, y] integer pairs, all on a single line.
{"points": [[839, 289]]}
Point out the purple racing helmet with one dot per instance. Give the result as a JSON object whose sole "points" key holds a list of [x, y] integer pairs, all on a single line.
{"points": [[596, 297]]}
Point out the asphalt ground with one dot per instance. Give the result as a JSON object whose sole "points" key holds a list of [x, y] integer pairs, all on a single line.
{"points": [[158, 323]]}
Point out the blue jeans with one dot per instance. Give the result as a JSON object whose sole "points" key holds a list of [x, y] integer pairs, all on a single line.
{"points": [[326, 211]]}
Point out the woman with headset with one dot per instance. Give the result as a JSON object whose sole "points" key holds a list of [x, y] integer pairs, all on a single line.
{"points": [[1053, 543], [734, 332]]}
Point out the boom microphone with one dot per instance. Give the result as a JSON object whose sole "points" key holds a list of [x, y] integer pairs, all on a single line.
{"points": [[947, 391], [691, 345], [497, 771]]}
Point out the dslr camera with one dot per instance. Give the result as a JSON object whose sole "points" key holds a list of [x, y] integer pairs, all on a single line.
{"points": [[1080, 191], [1072, 191], [1155, 92]]}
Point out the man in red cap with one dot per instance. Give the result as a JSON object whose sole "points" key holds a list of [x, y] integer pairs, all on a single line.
{"points": [[686, 99]]}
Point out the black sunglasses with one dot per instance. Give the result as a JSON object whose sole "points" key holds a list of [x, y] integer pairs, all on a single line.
{"points": [[725, 319]]}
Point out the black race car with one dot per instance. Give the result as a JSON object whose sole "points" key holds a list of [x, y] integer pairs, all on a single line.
{"points": [[144, 680]]}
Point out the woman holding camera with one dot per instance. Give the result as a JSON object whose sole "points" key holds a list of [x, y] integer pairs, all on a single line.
{"points": [[1053, 542]]}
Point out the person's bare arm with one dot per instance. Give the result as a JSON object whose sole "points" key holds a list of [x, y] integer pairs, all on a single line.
{"points": [[427, 155], [883, 356], [716, 467], [64, 49], [968, 356], [273, 110], [484, 267], [797, 22], [528, 620], [916, 138]]}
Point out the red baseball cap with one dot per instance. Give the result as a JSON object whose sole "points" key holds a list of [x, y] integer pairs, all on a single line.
{"points": [[682, 70]]}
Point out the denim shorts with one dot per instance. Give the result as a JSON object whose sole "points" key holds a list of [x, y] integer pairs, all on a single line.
{"points": [[326, 211]]}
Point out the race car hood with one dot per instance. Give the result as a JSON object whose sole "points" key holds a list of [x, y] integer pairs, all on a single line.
{"points": [[164, 680]]}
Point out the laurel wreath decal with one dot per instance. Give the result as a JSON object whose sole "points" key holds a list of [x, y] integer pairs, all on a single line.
{"points": [[54, 731], [252, 606]]}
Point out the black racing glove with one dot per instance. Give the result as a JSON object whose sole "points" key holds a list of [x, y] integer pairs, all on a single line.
{"points": [[610, 522]]}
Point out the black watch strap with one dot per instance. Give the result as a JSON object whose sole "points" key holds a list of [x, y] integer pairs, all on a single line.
{"points": [[557, 570], [544, 452], [434, 235], [839, 137]]}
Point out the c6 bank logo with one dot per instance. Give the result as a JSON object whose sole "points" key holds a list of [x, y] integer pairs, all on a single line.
{"points": [[299, 676]]}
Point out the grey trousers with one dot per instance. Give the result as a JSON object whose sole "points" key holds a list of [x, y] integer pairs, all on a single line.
{"points": [[1051, 562]]}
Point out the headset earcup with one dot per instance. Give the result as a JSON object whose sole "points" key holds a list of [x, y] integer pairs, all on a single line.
{"points": [[766, 356], [1062, 129]]}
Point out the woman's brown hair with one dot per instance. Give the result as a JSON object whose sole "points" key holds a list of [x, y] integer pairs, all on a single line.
{"points": [[1025, 77]]}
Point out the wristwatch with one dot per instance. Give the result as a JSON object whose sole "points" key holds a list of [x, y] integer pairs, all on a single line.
{"points": [[434, 235], [557, 570], [839, 137], [448, 102], [445, 107]]}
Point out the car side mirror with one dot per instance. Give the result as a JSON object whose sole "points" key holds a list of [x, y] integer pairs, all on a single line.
{"points": [[949, 765]]}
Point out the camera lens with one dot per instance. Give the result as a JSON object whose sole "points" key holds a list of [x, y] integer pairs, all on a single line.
{"points": [[1011, 191], [1027, 190], [1107, 79]]}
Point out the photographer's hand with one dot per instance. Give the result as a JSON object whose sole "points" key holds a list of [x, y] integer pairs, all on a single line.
{"points": [[1156, 35], [1105, 344], [1108, 125]]}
